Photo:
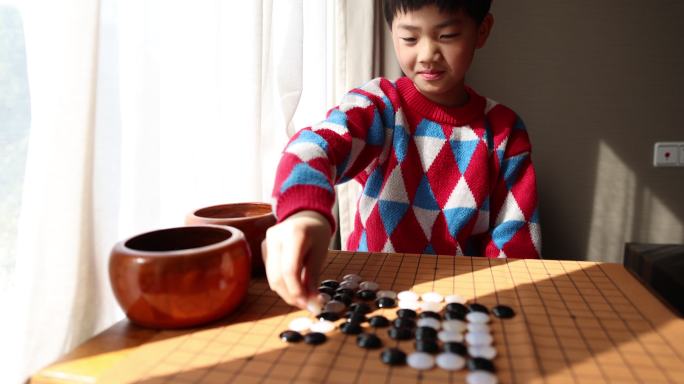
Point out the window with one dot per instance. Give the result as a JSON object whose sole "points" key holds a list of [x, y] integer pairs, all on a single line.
{"points": [[14, 128]]}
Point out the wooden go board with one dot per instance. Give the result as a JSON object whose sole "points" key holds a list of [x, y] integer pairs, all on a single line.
{"points": [[576, 322]]}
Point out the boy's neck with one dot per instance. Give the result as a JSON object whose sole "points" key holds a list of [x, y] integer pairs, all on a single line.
{"points": [[457, 97]]}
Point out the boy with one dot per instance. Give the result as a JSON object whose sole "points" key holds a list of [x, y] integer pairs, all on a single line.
{"points": [[444, 170]]}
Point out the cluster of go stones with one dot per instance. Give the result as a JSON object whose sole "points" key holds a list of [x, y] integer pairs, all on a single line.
{"points": [[452, 337]]}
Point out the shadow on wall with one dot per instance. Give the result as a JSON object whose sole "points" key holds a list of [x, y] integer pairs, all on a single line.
{"points": [[597, 84]]}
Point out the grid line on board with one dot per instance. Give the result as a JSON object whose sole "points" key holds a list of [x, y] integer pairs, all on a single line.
{"points": [[345, 338], [249, 358], [365, 352], [577, 326], [634, 336], [645, 318], [503, 324], [350, 258], [329, 262]]}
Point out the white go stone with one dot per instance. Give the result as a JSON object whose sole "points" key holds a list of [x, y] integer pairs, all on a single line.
{"points": [[485, 351], [430, 306], [432, 297], [478, 327], [450, 361], [352, 277], [479, 338], [300, 324], [408, 296], [454, 299], [429, 322], [334, 306], [448, 336], [322, 326], [420, 360], [454, 325], [409, 304], [477, 317], [369, 285], [481, 377], [390, 294]]}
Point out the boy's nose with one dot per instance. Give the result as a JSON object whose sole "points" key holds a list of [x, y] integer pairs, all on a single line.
{"points": [[429, 52]]}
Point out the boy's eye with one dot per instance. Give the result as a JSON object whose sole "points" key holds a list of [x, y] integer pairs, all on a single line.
{"points": [[409, 39], [449, 36]]}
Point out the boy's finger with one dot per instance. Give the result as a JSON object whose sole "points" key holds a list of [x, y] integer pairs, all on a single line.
{"points": [[291, 268], [271, 257]]}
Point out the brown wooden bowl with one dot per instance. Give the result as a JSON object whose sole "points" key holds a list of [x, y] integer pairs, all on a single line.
{"points": [[253, 219], [180, 277]]}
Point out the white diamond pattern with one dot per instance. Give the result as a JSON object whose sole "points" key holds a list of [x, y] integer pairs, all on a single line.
{"points": [[461, 196]]}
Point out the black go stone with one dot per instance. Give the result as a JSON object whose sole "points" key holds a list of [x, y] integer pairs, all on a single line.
{"points": [[366, 294], [346, 299], [330, 283], [426, 333], [315, 338], [291, 336], [378, 321], [356, 317], [475, 307], [429, 346], [386, 302], [458, 308], [330, 316], [481, 364], [327, 290], [351, 328], [393, 356], [503, 311], [452, 315], [456, 347], [407, 313], [430, 314], [368, 341], [346, 291], [361, 308], [401, 333], [404, 322]]}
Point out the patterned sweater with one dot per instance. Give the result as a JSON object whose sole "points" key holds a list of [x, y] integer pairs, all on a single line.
{"points": [[437, 180]]}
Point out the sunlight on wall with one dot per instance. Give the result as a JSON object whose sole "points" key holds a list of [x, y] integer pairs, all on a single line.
{"points": [[625, 211]]}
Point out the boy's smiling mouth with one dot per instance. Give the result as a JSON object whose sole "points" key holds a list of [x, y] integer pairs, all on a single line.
{"points": [[430, 75]]}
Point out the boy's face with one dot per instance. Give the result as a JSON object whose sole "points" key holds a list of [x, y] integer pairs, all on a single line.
{"points": [[435, 50]]}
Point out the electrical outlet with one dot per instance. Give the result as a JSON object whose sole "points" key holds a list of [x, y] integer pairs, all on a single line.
{"points": [[668, 154]]}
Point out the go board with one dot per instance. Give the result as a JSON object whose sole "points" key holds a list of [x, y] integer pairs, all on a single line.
{"points": [[575, 322]]}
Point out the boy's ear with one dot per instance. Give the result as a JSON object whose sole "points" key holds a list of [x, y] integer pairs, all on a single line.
{"points": [[484, 29]]}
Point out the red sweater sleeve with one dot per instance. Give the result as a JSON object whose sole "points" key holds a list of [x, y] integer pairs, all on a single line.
{"points": [[333, 151]]}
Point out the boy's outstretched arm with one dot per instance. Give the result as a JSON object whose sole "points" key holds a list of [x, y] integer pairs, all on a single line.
{"points": [[293, 252], [314, 161]]}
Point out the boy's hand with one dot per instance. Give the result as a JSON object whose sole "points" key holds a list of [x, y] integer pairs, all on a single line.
{"points": [[293, 252]]}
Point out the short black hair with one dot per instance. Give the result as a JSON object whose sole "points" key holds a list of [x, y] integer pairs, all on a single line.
{"points": [[477, 9]]}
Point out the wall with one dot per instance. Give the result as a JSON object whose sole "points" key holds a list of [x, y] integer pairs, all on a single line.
{"points": [[597, 83]]}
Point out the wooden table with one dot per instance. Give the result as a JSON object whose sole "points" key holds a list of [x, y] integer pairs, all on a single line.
{"points": [[575, 322]]}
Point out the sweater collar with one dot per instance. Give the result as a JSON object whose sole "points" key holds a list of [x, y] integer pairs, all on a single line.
{"points": [[457, 116]]}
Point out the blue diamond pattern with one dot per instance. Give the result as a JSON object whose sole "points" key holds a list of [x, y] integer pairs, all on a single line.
{"points": [[458, 217], [391, 213]]}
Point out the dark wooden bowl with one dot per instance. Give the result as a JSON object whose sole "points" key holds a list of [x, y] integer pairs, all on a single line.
{"points": [[253, 219], [180, 277]]}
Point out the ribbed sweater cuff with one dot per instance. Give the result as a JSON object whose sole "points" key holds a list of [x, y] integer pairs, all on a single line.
{"points": [[305, 198]]}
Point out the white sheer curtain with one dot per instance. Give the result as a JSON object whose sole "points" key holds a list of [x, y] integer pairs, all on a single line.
{"points": [[140, 112]]}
